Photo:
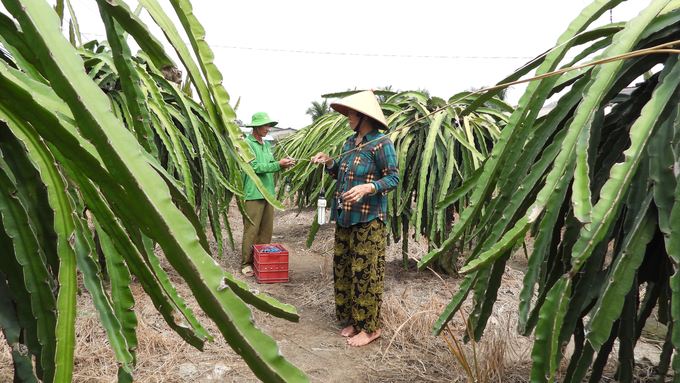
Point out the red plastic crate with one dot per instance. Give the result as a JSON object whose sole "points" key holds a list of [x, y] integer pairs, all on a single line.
{"points": [[270, 267], [262, 257], [271, 272]]}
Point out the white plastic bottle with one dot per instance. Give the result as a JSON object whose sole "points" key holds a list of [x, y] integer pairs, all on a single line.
{"points": [[321, 207]]}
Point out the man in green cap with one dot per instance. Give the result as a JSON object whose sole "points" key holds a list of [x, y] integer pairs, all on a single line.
{"points": [[258, 209]]}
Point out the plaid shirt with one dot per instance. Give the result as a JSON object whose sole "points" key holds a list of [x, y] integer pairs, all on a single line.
{"points": [[375, 163]]}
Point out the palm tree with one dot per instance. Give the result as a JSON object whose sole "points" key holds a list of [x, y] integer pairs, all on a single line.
{"points": [[424, 91], [501, 95], [318, 109], [385, 92]]}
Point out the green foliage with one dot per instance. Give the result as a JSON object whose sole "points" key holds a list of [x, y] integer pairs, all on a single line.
{"points": [[595, 181], [318, 109], [103, 149], [436, 154]]}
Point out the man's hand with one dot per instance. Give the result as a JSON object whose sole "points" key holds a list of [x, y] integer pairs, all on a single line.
{"points": [[287, 162]]}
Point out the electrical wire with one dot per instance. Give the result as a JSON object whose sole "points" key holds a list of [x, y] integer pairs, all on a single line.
{"points": [[297, 51], [656, 49], [373, 54]]}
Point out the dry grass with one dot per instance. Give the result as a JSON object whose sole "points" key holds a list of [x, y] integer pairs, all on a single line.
{"points": [[406, 352], [162, 355], [411, 305], [409, 314]]}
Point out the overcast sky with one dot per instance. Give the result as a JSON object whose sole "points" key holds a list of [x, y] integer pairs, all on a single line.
{"points": [[279, 56]]}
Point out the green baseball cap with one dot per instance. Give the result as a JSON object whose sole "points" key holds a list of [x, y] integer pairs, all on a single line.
{"points": [[261, 118]]}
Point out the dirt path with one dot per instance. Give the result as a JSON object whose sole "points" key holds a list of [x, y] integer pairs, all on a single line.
{"points": [[315, 344]]}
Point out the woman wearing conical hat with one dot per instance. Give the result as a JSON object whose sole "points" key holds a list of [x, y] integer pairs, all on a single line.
{"points": [[365, 172]]}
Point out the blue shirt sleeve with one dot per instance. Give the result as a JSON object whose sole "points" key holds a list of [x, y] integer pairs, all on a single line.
{"points": [[386, 160]]}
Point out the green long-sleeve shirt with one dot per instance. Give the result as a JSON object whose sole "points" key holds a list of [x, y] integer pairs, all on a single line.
{"points": [[264, 165]]}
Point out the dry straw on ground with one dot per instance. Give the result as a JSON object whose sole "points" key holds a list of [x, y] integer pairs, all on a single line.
{"points": [[407, 350]]}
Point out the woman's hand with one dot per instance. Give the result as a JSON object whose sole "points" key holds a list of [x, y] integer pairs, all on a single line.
{"points": [[287, 162], [358, 192], [322, 158]]}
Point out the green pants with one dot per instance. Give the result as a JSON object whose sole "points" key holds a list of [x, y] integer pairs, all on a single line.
{"points": [[359, 272], [260, 231]]}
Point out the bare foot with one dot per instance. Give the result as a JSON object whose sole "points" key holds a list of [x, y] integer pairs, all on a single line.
{"points": [[348, 331], [363, 338]]}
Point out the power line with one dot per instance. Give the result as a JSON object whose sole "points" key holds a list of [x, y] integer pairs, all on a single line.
{"points": [[88, 8], [371, 54], [357, 54]]}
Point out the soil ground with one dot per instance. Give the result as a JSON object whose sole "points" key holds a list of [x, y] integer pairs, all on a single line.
{"points": [[406, 352]]}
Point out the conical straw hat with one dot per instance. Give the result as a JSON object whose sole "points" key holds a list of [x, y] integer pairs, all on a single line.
{"points": [[363, 102]]}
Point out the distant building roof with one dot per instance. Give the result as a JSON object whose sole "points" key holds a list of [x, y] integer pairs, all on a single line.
{"points": [[275, 133], [279, 133]]}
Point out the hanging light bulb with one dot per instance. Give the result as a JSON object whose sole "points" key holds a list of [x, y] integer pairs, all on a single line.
{"points": [[287, 184], [321, 207]]}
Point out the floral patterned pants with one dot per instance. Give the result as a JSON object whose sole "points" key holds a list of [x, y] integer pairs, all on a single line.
{"points": [[359, 273]]}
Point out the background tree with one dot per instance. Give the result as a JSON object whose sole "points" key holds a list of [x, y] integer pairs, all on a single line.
{"points": [[318, 109], [382, 93], [501, 95], [424, 92]]}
